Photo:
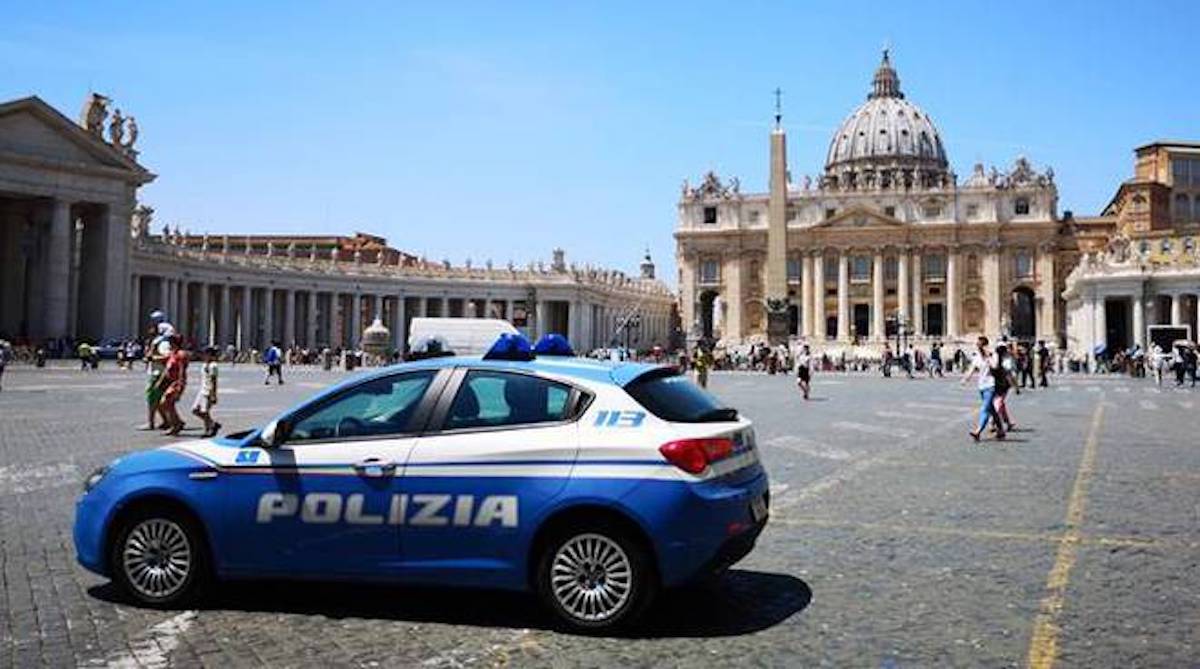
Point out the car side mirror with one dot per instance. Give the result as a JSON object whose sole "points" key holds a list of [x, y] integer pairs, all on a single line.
{"points": [[275, 432]]}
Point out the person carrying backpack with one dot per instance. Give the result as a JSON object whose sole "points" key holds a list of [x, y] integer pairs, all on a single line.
{"points": [[273, 358]]}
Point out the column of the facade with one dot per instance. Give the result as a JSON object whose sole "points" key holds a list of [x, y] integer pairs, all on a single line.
{"points": [[918, 293], [289, 317], [843, 297], [116, 270], [952, 297], [246, 335], [540, 318], [310, 320], [356, 319], [1139, 317], [226, 324], [203, 322], [268, 317], [135, 304], [400, 334], [57, 304], [164, 299], [818, 295], [1047, 321], [807, 314], [1176, 309], [878, 315], [1099, 325], [993, 305], [903, 290], [733, 297]]}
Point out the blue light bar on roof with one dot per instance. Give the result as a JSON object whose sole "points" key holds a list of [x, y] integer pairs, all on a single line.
{"points": [[553, 344], [510, 347]]}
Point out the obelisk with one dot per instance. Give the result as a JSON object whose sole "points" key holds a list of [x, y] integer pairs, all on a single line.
{"points": [[776, 303]]}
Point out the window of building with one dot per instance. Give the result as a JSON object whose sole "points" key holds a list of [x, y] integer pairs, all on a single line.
{"points": [[1021, 206], [1183, 207], [374, 408], [1180, 169], [830, 213], [501, 399], [972, 211], [831, 268], [890, 211], [931, 210], [709, 272], [860, 268], [710, 215], [1023, 264], [891, 268], [934, 266], [793, 270]]}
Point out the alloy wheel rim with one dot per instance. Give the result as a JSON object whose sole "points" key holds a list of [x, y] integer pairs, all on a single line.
{"points": [[591, 577], [157, 557]]}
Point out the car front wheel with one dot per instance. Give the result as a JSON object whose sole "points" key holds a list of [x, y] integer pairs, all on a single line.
{"points": [[158, 558], [595, 579]]}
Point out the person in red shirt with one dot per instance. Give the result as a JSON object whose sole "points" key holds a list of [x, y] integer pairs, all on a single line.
{"points": [[175, 381]]}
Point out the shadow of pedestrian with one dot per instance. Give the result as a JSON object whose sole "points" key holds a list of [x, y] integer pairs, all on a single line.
{"points": [[740, 602]]}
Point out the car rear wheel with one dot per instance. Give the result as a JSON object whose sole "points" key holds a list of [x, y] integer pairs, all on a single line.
{"points": [[158, 558], [595, 579]]}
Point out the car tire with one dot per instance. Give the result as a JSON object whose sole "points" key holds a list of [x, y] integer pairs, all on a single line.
{"points": [[159, 558], [596, 577]]}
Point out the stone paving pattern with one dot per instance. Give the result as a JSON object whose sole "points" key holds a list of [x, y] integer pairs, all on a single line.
{"points": [[893, 542]]}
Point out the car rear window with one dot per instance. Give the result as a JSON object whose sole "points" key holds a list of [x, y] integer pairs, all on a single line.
{"points": [[672, 396]]}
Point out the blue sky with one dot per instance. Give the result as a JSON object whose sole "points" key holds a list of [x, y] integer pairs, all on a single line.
{"points": [[501, 130]]}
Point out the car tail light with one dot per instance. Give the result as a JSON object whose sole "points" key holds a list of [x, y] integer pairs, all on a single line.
{"points": [[695, 455]]}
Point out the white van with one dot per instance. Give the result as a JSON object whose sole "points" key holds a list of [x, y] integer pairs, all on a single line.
{"points": [[464, 336]]}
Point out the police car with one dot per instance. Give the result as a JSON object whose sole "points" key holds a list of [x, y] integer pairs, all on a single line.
{"points": [[593, 484]]}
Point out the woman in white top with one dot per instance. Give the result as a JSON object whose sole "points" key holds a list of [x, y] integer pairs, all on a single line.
{"points": [[983, 362], [804, 370]]}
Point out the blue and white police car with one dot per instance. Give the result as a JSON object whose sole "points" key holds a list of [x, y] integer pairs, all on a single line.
{"points": [[592, 484]]}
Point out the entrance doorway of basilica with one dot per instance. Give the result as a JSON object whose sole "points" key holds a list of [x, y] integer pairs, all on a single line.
{"points": [[1117, 328], [708, 301], [1022, 314], [862, 321], [935, 321]]}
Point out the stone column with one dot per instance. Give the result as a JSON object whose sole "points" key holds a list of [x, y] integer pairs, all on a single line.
{"points": [[733, 298], [183, 314], [1176, 309], [1099, 326], [268, 317], [818, 295], [226, 328], [952, 293], [903, 290], [994, 305], [445, 308], [918, 294], [879, 316], [356, 319], [135, 303], [116, 271], [310, 320], [540, 319], [202, 316], [1139, 318], [807, 300], [1047, 322], [508, 310], [289, 317], [400, 334], [57, 303], [246, 340], [843, 297], [164, 297]]}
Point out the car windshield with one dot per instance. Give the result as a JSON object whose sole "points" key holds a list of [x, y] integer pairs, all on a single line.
{"points": [[672, 396]]}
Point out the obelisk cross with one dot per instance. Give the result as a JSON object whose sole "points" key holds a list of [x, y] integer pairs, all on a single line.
{"points": [[778, 106]]}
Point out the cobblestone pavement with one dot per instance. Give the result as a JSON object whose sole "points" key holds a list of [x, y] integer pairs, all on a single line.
{"points": [[893, 542]]}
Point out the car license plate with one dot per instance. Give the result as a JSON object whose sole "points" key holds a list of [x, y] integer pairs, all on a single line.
{"points": [[758, 508]]}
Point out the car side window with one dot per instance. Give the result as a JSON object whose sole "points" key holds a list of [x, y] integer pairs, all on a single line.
{"points": [[501, 399], [377, 407]]}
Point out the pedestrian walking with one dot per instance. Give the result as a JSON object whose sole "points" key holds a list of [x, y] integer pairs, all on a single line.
{"points": [[273, 357], [1179, 364], [886, 363], [174, 382], [156, 355], [5, 355], [804, 370], [84, 351], [206, 397], [701, 361], [1042, 363], [1024, 364], [1005, 381], [982, 364], [935, 360]]}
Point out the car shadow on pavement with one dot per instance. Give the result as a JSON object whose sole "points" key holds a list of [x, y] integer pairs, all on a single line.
{"points": [[741, 602]]}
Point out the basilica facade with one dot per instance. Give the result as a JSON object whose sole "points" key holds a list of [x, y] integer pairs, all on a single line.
{"points": [[886, 238]]}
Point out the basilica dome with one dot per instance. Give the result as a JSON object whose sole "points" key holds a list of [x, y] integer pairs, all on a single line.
{"points": [[887, 142]]}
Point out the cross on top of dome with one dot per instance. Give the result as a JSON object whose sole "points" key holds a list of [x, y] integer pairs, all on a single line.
{"points": [[886, 83]]}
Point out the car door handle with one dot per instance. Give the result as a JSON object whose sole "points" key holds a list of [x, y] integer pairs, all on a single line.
{"points": [[374, 467]]}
